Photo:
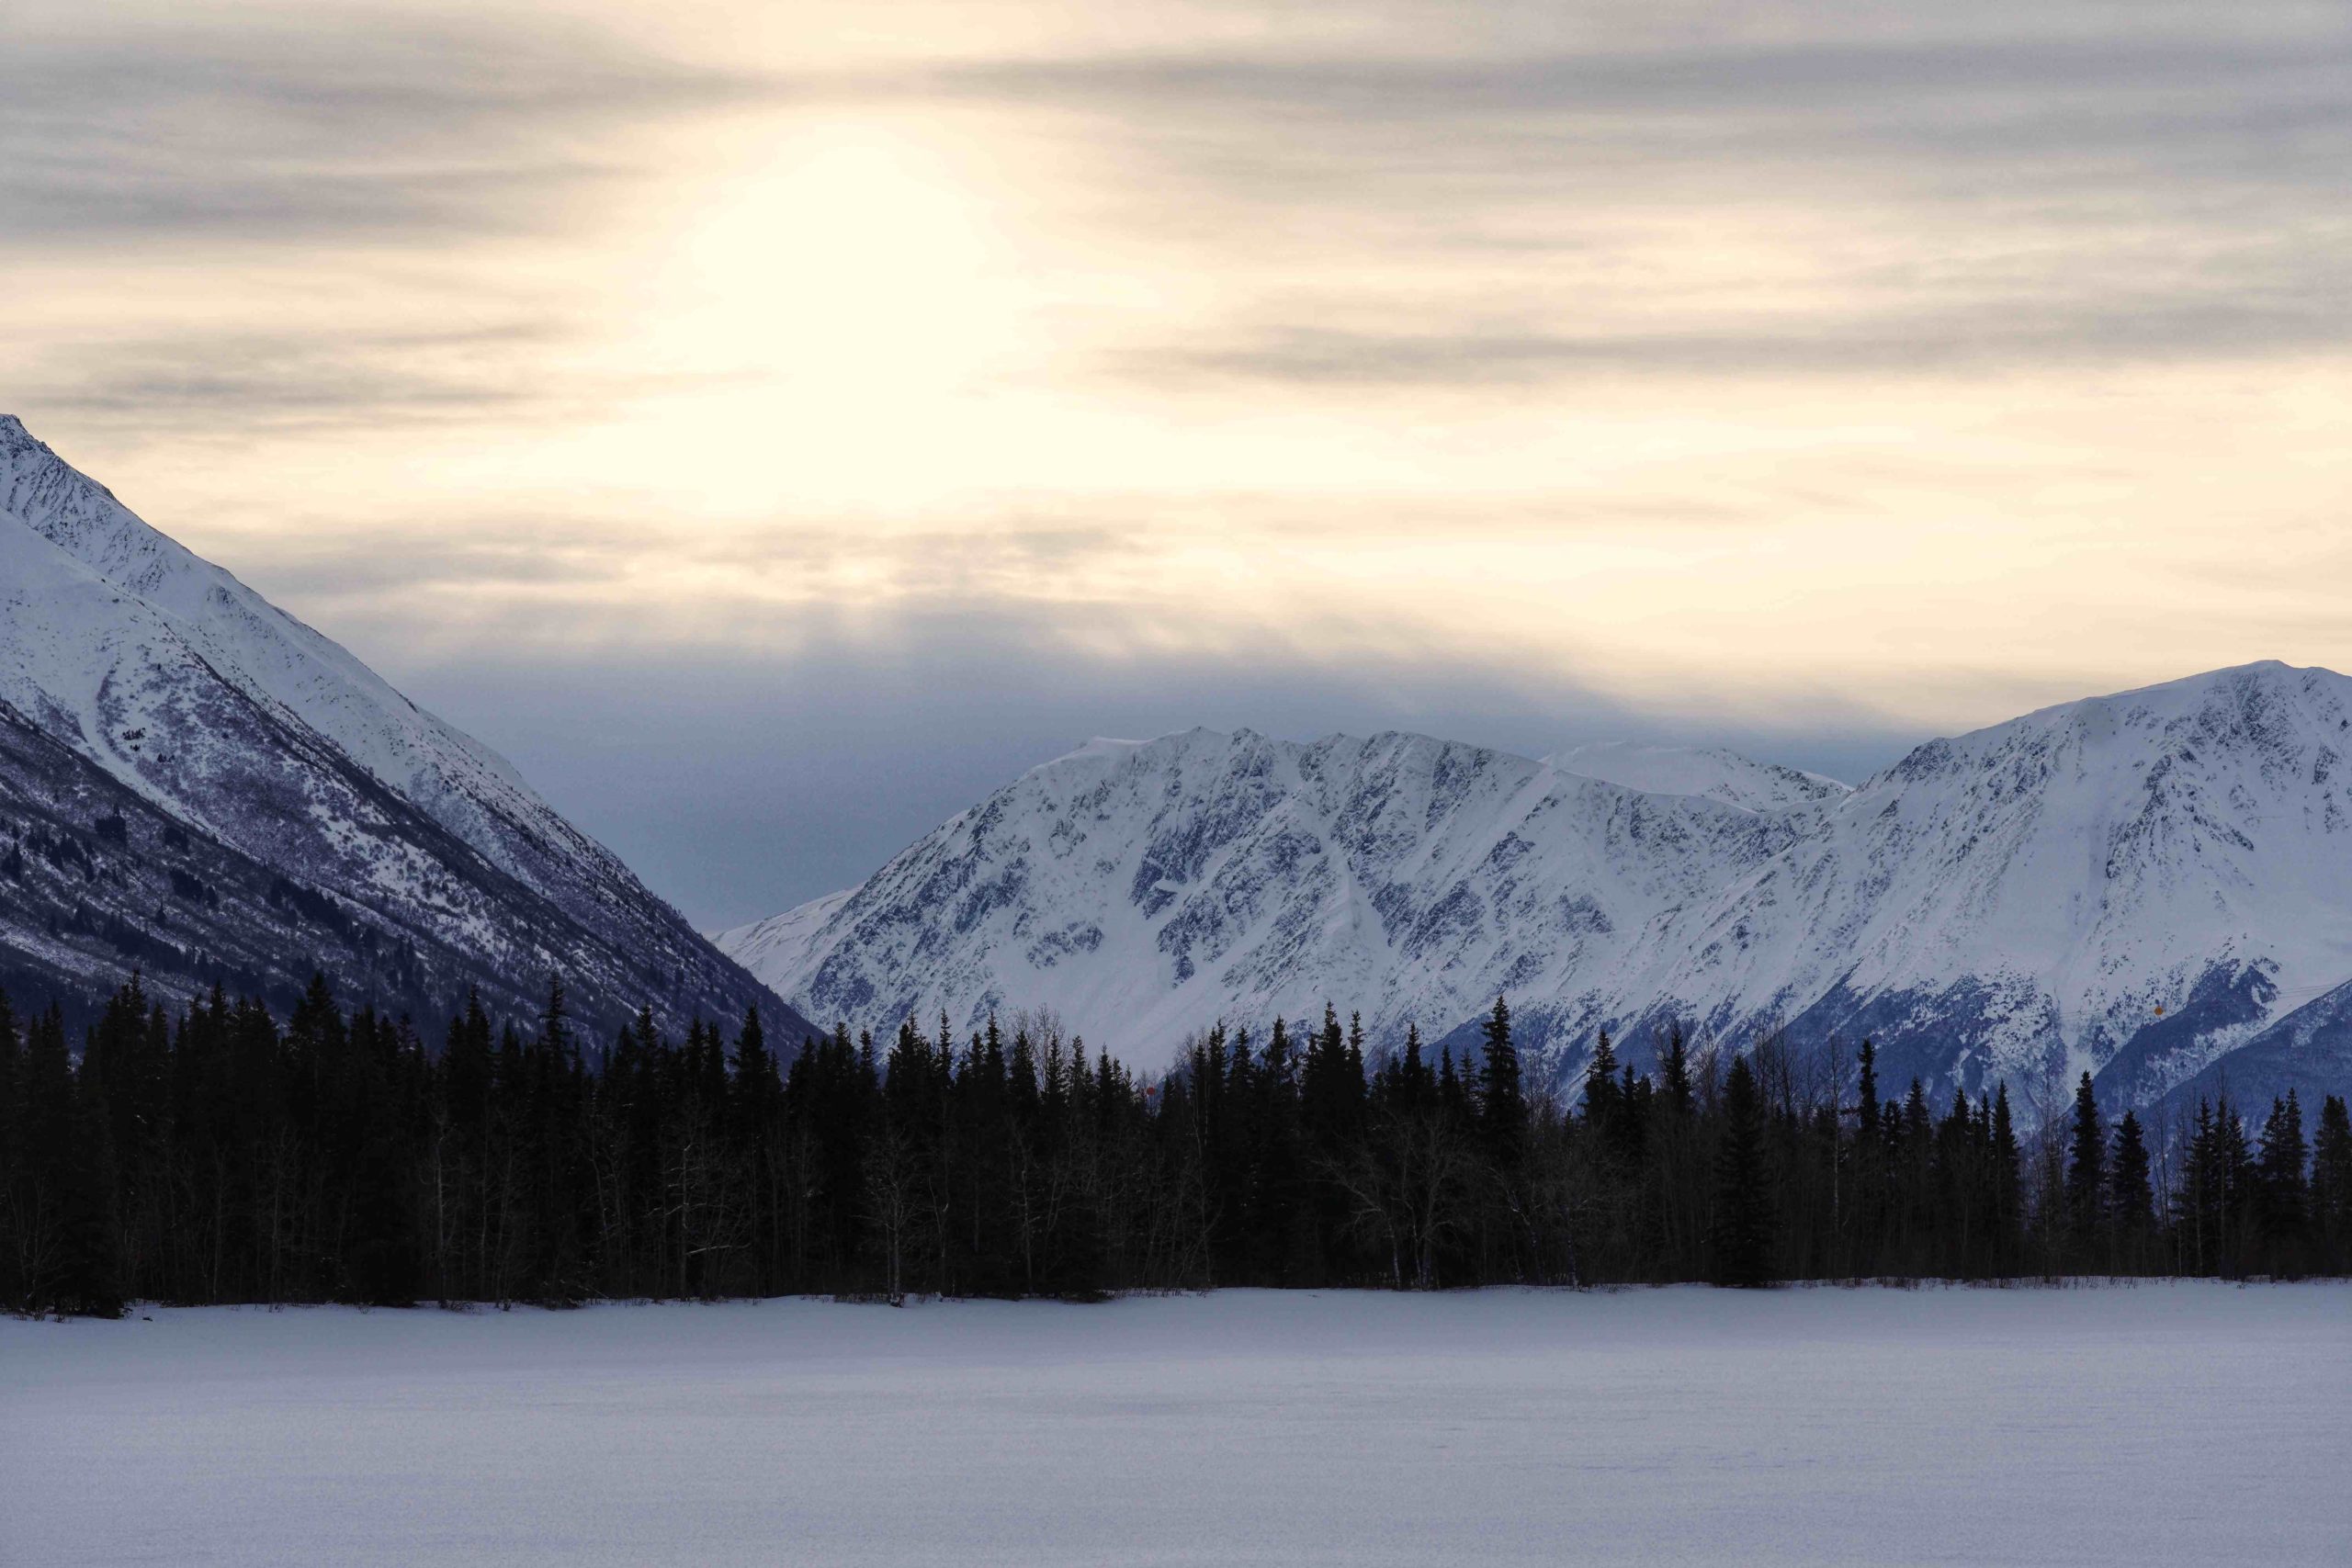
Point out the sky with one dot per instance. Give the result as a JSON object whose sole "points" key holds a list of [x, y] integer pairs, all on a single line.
{"points": [[773, 427]]}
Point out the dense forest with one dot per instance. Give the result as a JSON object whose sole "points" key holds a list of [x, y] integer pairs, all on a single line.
{"points": [[225, 1155]]}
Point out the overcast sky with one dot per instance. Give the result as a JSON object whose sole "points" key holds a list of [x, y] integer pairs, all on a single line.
{"points": [[773, 425]]}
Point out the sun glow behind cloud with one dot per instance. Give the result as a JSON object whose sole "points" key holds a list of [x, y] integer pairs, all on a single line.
{"points": [[1941, 364], [851, 297]]}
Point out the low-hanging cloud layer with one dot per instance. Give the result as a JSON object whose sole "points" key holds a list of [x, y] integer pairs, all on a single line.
{"points": [[860, 400]]}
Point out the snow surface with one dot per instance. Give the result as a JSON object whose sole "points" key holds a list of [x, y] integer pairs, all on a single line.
{"points": [[2184, 1422], [1142, 892], [149, 615], [2135, 885], [1709, 770], [223, 713]]}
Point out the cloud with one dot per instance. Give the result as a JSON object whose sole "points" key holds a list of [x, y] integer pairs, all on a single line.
{"points": [[260, 126], [2041, 332], [748, 574], [2055, 188], [741, 784], [248, 376], [2227, 99], [240, 382], [778, 424]]}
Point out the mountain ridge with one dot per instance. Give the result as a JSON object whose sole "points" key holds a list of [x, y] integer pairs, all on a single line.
{"points": [[2137, 885], [415, 860]]}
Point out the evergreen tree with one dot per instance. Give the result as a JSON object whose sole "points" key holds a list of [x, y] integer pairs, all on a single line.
{"points": [[2008, 1195], [1502, 1102], [2087, 1180], [2330, 1184], [217, 1156], [1602, 1094], [1453, 1092], [1742, 1235], [67, 1230], [1867, 1211], [555, 1025], [2236, 1187], [465, 1064], [1866, 1106], [2283, 1198], [1674, 1072], [2131, 1196], [13, 1173], [2196, 1202]]}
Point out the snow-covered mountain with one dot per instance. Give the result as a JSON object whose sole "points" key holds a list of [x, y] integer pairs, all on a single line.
{"points": [[2139, 884], [2134, 885], [195, 781], [1709, 770], [1144, 889]]}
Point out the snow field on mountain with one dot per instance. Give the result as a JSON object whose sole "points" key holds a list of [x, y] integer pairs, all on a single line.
{"points": [[158, 672], [182, 609], [1142, 891], [2180, 1422], [1707, 771], [2134, 885]]}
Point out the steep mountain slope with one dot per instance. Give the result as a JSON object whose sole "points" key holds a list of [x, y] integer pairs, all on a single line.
{"points": [[2309, 1051], [1143, 890], [2134, 885], [2138, 885], [210, 733]]}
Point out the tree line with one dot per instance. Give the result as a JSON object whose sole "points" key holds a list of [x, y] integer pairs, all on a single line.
{"points": [[223, 1155]]}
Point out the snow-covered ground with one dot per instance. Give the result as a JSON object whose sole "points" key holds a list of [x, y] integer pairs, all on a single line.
{"points": [[2176, 1423]]}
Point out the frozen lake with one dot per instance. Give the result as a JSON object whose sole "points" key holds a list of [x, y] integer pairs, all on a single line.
{"points": [[2193, 1423]]}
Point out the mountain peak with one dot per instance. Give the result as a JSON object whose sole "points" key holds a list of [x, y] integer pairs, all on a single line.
{"points": [[303, 810], [20, 448], [2132, 884], [2181, 698], [2255, 672], [1712, 772]]}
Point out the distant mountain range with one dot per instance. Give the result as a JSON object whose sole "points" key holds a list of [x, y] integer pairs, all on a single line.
{"points": [[195, 783], [2154, 886]]}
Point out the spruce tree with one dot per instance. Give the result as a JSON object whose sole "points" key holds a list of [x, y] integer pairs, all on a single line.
{"points": [[466, 1064], [1602, 1094], [13, 1173], [1453, 1092], [555, 1023], [69, 1223], [1502, 1102], [1674, 1072], [2283, 1198], [2008, 1193], [2087, 1180], [2131, 1198], [1416, 1080], [2331, 1183], [2234, 1160], [2196, 1202], [1866, 1211], [1866, 1105], [220, 1158], [1743, 1228]]}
